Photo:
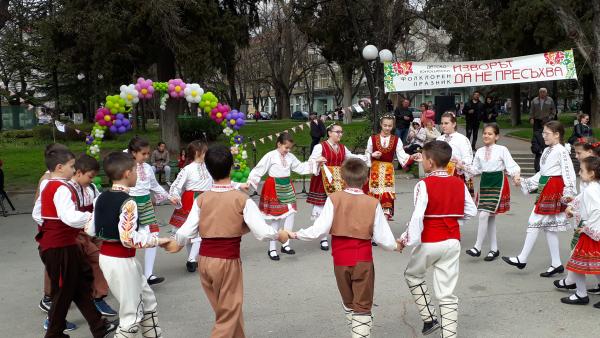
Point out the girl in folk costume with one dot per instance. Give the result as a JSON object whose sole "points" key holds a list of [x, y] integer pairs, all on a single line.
{"points": [[329, 180], [278, 197], [555, 182], [139, 148], [461, 148], [491, 162], [585, 258], [380, 151], [191, 181]]}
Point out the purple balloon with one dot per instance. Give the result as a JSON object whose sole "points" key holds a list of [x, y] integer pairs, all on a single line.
{"points": [[120, 116], [126, 122], [113, 129], [122, 130], [118, 123], [129, 126], [236, 127], [239, 122], [228, 116]]}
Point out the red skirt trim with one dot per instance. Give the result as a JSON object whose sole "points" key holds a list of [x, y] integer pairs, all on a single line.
{"points": [[504, 204], [180, 215], [548, 202], [316, 193], [585, 258], [269, 202]]}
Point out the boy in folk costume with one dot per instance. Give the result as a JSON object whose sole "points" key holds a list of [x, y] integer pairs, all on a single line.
{"points": [[278, 197], [221, 217], [380, 151], [329, 180], [354, 220], [191, 181], [491, 162], [69, 273], [441, 201], [555, 183], [116, 223]]}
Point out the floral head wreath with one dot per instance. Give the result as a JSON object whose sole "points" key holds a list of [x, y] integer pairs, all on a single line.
{"points": [[330, 126], [387, 116], [595, 145]]}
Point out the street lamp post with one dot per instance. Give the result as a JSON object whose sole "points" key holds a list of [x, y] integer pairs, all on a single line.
{"points": [[374, 60]]}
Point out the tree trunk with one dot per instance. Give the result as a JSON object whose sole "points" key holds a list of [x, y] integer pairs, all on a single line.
{"points": [[515, 112], [347, 72], [283, 103], [165, 69], [230, 69]]}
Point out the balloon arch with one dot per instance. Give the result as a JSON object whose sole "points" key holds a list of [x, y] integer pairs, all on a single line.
{"points": [[113, 116]]}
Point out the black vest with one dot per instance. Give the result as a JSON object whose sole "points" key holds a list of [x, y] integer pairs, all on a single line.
{"points": [[107, 212]]}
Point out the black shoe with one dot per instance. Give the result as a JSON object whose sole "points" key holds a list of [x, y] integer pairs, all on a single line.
{"points": [[578, 301], [594, 291], [560, 284], [492, 255], [45, 304], [597, 305], [518, 264], [273, 257], [155, 280], [430, 327], [324, 245], [110, 326], [554, 271], [191, 266], [374, 244], [473, 252], [287, 250]]}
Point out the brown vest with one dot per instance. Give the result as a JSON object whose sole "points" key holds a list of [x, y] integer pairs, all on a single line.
{"points": [[222, 214], [353, 215]]}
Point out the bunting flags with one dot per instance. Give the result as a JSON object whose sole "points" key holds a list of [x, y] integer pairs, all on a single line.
{"points": [[292, 129], [59, 126]]}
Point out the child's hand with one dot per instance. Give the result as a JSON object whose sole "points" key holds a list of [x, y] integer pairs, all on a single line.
{"points": [[283, 236], [579, 230], [376, 154], [400, 246], [321, 160], [418, 157], [517, 180], [292, 234], [245, 187], [568, 199], [174, 200], [569, 211], [171, 246]]}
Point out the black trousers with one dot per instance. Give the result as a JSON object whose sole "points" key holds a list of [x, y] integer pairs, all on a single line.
{"points": [[3, 193], [315, 141], [71, 281], [536, 161], [472, 130]]}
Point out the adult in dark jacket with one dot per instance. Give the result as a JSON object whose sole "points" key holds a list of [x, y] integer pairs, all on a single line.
{"points": [[537, 148], [403, 117], [473, 111], [317, 130], [490, 110], [581, 129]]}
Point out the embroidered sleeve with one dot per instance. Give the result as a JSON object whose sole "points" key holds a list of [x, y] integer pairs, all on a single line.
{"points": [[256, 222], [474, 168], [511, 166], [591, 202], [321, 226], [470, 208], [160, 193], [67, 211], [382, 234], [369, 150], [130, 238], [189, 229], [349, 154], [303, 168], [415, 225], [531, 184], [568, 174], [401, 155], [179, 183], [260, 169], [316, 153]]}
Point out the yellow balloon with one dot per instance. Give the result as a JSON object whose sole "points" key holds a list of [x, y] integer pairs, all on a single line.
{"points": [[194, 93], [178, 88], [144, 91], [129, 97], [107, 118], [219, 115], [232, 121]]}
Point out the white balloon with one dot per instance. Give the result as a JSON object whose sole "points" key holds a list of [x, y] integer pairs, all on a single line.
{"points": [[193, 93], [129, 94]]}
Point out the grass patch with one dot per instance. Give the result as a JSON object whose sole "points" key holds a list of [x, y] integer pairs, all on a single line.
{"points": [[528, 133], [505, 122]]}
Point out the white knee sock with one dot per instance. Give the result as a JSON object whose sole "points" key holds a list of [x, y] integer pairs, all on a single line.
{"points": [[193, 251], [527, 246], [288, 224], [598, 278], [580, 282], [552, 238], [482, 230], [492, 233], [570, 279], [149, 258], [275, 224]]}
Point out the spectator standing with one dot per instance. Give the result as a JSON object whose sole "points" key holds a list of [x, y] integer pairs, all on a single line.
{"points": [[160, 161], [2, 192], [317, 130], [537, 148], [403, 117], [490, 110], [542, 110], [582, 129], [474, 111]]}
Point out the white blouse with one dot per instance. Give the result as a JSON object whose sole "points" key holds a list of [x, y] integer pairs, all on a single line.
{"points": [[555, 161], [493, 158], [318, 152], [402, 156], [589, 210], [193, 177], [278, 166], [66, 210], [461, 147], [146, 183]]}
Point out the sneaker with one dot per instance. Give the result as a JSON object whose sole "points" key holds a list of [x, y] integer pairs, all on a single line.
{"points": [[155, 280], [324, 245], [110, 326], [104, 308], [69, 327], [191, 266], [430, 327], [594, 291], [45, 304]]}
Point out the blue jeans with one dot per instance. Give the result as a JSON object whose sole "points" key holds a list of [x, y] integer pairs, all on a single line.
{"points": [[402, 133]]}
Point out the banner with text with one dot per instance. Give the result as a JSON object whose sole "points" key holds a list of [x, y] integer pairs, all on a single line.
{"points": [[408, 75]]}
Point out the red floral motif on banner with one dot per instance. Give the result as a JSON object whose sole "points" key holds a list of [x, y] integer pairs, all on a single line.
{"points": [[554, 58], [403, 68]]}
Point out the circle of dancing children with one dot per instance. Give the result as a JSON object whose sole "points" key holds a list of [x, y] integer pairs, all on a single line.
{"points": [[354, 220], [461, 148], [146, 183], [380, 152], [115, 221], [555, 182], [66, 259], [278, 197], [192, 180], [329, 179], [491, 162], [221, 217]]}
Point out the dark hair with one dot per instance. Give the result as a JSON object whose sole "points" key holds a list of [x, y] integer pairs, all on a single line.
{"points": [[218, 161], [494, 127], [86, 163], [556, 127], [438, 151], [476, 91], [195, 147], [355, 172], [424, 105], [284, 137], [588, 144], [581, 116], [331, 127], [117, 163], [592, 163], [56, 154], [160, 143], [137, 143]]}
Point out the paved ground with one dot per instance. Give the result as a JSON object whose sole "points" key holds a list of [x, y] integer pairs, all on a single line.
{"points": [[297, 296]]}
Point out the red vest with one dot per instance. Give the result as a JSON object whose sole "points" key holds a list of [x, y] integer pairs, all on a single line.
{"points": [[53, 232], [446, 204], [387, 154], [347, 251], [333, 158]]}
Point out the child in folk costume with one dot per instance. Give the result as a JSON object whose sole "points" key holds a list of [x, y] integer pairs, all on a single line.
{"points": [[554, 182], [461, 148], [61, 223], [441, 201], [221, 217], [380, 151], [191, 181], [353, 219], [491, 162], [278, 197], [329, 180], [585, 258], [115, 221], [145, 184]]}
